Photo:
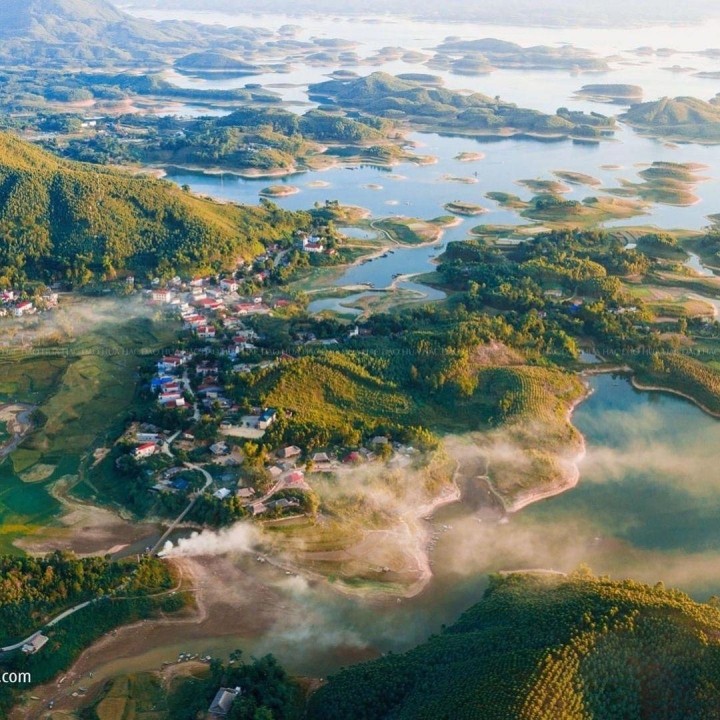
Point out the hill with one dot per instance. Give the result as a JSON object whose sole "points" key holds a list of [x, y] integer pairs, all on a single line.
{"points": [[95, 32], [65, 220], [681, 118], [440, 109], [547, 647]]}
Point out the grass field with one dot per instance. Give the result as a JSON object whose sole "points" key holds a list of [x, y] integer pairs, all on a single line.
{"points": [[82, 397]]}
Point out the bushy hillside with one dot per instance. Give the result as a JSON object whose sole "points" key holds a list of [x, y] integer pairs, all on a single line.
{"points": [[389, 96], [546, 647], [66, 220], [682, 117]]}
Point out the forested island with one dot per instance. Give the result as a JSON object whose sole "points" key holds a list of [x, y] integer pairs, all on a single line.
{"points": [[436, 109]]}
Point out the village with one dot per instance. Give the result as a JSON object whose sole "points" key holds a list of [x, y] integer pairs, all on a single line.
{"points": [[213, 443]]}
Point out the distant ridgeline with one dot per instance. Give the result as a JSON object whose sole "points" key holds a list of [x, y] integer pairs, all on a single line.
{"points": [[95, 32], [74, 221], [431, 107], [547, 647]]}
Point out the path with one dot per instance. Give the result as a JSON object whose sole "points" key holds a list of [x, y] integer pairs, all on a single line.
{"points": [[54, 621], [208, 481]]}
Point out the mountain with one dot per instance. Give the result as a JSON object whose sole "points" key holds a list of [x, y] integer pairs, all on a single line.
{"points": [[95, 32], [547, 647], [62, 219], [681, 118]]}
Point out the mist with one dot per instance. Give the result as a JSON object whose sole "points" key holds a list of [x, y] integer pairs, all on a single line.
{"points": [[543, 13]]}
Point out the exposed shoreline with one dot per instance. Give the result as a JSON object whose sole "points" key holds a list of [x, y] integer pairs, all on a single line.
{"points": [[671, 391], [566, 482]]}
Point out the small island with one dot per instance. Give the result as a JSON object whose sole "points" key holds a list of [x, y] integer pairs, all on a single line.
{"points": [[612, 93], [278, 191], [459, 207]]}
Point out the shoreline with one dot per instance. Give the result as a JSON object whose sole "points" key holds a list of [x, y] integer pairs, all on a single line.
{"points": [[566, 482], [671, 391]]}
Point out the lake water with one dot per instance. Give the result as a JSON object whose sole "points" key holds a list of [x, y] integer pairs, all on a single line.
{"points": [[421, 191]]}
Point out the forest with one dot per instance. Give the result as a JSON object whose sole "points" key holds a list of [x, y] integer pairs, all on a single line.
{"points": [[72, 222], [547, 647]]}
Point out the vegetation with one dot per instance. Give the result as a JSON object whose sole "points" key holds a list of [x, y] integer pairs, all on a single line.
{"points": [[268, 693], [682, 118], [94, 32], [612, 92], [34, 590], [685, 375], [490, 53], [261, 139], [544, 646], [440, 109], [61, 220]]}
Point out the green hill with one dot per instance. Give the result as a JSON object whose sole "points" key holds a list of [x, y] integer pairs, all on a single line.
{"points": [[437, 108], [547, 647], [92, 32], [65, 220], [681, 118]]}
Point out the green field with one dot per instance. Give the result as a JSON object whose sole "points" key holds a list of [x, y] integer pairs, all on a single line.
{"points": [[82, 400]]}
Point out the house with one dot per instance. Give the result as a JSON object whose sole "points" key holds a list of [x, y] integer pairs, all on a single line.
{"points": [[35, 643], [296, 478], [170, 363], [158, 382], [266, 419], [221, 494], [148, 437], [219, 448], [282, 504], [229, 285], [23, 308], [353, 458], [193, 321], [207, 304], [321, 457], [258, 508], [145, 450], [245, 493], [206, 367], [163, 296], [205, 331], [312, 244], [290, 451], [222, 702]]}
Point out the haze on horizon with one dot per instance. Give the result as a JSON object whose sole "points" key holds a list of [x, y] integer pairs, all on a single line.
{"points": [[555, 13]]}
